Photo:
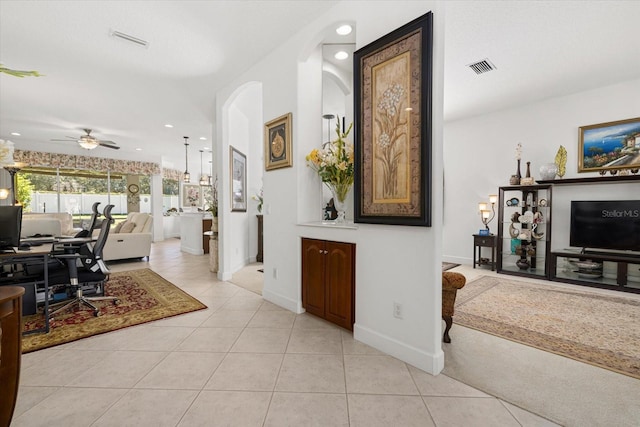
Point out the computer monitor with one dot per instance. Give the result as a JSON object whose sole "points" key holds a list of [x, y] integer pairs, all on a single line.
{"points": [[10, 226]]}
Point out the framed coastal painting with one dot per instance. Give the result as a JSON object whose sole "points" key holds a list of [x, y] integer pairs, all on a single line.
{"points": [[238, 168], [191, 196], [392, 91], [277, 143], [609, 146]]}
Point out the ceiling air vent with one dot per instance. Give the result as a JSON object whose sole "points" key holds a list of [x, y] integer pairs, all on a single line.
{"points": [[482, 67], [129, 38]]}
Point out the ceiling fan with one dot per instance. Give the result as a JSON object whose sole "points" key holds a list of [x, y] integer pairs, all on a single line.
{"points": [[89, 142]]}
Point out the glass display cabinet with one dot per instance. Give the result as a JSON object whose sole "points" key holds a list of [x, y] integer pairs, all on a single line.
{"points": [[524, 230]]}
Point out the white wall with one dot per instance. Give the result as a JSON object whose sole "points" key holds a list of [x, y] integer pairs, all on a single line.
{"points": [[393, 263], [479, 157]]}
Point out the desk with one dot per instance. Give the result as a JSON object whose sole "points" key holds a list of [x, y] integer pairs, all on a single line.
{"points": [[36, 254], [490, 241], [11, 343]]}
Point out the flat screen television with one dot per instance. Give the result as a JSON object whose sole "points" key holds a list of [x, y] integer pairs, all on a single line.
{"points": [[610, 224], [10, 226]]}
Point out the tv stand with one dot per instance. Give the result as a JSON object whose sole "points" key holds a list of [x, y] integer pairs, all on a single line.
{"points": [[564, 272]]}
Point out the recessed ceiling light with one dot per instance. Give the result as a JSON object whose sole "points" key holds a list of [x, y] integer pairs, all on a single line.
{"points": [[168, 125], [343, 30], [202, 138], [138, 149], [206, 148], [341, 55], [15, 134]]}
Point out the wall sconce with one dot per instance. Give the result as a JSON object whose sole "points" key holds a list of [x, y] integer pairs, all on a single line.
{"points": [[187, 176], [487, 215]]}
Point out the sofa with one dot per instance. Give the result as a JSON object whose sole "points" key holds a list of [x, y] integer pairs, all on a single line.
{"points": [[55, 224], [130, 238]]}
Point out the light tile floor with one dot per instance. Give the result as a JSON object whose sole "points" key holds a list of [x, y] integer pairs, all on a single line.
{"points": [[242, 362]]}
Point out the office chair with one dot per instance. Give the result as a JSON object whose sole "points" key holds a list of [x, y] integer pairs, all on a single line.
{"points": [[84, 267], [92, 222]]}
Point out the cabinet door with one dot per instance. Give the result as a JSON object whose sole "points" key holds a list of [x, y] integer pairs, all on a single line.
{"points": [[313, 267], [339, 298]]}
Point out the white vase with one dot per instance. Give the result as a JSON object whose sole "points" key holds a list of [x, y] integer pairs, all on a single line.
{"points": [[548, 171]]}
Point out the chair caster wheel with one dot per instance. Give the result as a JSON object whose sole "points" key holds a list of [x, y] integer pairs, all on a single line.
{"points": [[116, 301], [96, 313]]}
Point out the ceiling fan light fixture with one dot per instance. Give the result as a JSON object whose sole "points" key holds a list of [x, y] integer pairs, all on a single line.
{"points": [[88, 143]]}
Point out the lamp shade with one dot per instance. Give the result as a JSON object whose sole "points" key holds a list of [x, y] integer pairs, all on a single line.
{"points": [[493, 199], [4, 193]]}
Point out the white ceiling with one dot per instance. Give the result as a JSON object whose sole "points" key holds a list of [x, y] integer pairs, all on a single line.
{"points": [[127, 93]]}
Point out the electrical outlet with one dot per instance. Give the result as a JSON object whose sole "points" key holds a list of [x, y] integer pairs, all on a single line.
{"points": [[397, 310], [275, 273]]}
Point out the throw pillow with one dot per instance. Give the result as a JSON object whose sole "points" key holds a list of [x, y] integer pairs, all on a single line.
{"points": [[118, 227], [128, 227]]}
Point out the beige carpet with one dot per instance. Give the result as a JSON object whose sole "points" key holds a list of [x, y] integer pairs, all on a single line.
{"points": [[250, 278], [598, 329]]}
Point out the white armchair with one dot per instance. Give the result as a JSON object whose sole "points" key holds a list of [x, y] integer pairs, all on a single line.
{"points": [[130, 238]]}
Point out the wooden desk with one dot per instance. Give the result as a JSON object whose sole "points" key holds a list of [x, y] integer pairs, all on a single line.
{"points": [[10, 349]]}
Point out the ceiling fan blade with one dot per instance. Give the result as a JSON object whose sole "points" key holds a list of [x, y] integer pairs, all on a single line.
{"points": [[102, 141], [102, 144], [64, 140]]}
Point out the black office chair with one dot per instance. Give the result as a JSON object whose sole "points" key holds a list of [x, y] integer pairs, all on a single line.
{"points": [[92, 222], [84, 268]]}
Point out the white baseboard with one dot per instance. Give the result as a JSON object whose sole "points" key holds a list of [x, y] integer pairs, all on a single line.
{"points": [[282, 301], [224, 276], [457, 259], [192, 251], [431, 363]]}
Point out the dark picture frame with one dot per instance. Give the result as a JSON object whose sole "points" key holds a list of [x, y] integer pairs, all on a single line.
{"points": [[609, 146], [392, 95], [277, 143], [238, 171]]}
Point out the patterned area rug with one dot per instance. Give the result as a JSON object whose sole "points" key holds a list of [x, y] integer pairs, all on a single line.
{"points": [[144, 296], [592, 328]]}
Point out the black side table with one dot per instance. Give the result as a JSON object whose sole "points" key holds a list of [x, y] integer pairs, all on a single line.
{"points": [[490, 241]]}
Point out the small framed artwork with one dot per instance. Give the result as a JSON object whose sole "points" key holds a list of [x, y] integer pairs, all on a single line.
{"points": [[277, 143], [392, 92], [238, 168], [609, 146], [191, 196]]}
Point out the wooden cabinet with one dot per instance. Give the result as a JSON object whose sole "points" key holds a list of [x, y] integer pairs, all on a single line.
{"points": [[260, 255], [206, 226], [328, 280]]}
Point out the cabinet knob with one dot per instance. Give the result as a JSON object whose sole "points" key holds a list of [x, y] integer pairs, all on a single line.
{"points": [[326, 252], [320, 251]]}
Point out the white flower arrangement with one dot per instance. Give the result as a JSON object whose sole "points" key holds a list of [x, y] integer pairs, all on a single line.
{"points": [[518, 151]]}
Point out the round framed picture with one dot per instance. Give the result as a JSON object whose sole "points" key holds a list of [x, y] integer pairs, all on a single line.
{"points": [[133, 188]]}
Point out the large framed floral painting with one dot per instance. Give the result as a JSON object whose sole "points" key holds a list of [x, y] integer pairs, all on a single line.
{"points": [[392, 93], [610, 146], [191, 196]]}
